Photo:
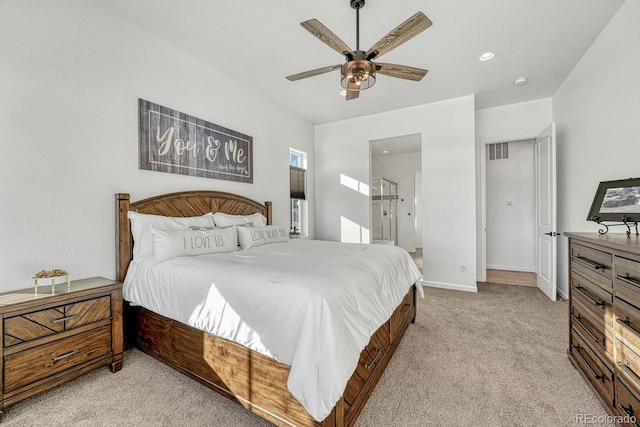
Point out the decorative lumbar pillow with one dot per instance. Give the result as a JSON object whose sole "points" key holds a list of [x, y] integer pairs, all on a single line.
{"points": [[256, 236], [141, 225], [169, 244], [226, 220]]}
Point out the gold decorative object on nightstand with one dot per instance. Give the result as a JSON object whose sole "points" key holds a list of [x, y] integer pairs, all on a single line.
{"points": [[51, 278]]}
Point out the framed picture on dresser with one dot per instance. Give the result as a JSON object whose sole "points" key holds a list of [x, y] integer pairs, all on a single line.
{"points": [[617, 200]]}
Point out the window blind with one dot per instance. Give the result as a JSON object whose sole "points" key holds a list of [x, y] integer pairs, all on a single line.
{"points": [[297, 178]]}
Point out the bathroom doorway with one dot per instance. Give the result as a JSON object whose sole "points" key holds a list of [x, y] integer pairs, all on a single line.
{"points": [[397, 160]]}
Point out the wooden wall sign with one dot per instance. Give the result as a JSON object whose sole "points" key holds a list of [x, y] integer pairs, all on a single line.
{"points": [[174, 142]]}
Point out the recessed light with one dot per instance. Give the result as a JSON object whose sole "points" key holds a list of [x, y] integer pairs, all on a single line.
{"points": [[385, 151], [487, 56], [520, 81], [343, 92]]}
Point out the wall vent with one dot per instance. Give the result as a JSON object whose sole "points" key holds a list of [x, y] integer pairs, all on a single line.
{"points": [[499, 151]]}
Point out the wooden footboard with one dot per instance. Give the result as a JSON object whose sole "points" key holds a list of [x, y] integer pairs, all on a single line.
{"points": [[255, 381]]}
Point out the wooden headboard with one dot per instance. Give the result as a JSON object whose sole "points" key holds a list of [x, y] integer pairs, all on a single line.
{"points": [[185, 203]]}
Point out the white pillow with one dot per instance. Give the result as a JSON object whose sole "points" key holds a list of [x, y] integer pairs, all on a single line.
{"points": [[226, 220], [169, 244], [141, 225], [256, 236]]}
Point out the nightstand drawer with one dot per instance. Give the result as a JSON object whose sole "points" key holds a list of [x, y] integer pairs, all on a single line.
{"points": [[26, 367], [38, 324]]}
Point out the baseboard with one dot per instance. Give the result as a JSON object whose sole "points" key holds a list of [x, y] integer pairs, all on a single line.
{"points": [[562, 294], [511, 268], [452, 286]]}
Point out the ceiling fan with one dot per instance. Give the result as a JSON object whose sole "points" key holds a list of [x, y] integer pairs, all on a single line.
{"points": [[359, 71]]}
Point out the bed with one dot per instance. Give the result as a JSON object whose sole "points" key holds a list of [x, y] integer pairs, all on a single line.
{"points": [[250, 377]]}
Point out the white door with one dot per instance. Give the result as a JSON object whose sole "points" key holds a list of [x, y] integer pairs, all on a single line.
{"points": [[405, 214], [546, 241]]}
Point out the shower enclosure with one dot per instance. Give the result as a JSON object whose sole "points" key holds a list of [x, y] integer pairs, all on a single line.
{"points": [[384, 206]]}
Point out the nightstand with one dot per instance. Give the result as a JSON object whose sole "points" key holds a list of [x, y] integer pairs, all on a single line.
{"points": [[53, 335]]}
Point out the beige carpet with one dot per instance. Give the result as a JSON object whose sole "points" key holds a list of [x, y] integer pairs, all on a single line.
{"points": [[495, 358]]}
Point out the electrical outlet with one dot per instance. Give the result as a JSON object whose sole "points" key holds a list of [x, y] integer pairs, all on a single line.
{"points": [[463, 268]]}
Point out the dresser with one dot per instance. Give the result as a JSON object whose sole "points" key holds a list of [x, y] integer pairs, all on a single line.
{"points": [[54, 334], [604, 317]]}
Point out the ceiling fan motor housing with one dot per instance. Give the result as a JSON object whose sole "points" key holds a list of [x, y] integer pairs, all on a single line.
{"points": [[358, 75]]}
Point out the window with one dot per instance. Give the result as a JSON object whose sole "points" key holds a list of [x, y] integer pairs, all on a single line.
{"points": [[297, 190]]}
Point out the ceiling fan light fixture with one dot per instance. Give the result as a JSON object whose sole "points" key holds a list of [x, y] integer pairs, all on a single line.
{"points": [[358, 74]]}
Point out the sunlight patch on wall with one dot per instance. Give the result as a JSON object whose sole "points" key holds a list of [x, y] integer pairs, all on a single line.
{"points": [[354, 184], [351, 232]]}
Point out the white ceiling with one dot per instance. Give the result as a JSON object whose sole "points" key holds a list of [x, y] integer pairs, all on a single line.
{"points": [[258, 43]]}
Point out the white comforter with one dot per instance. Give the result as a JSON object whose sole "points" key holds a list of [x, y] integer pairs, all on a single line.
{"points": [[310, 304]]}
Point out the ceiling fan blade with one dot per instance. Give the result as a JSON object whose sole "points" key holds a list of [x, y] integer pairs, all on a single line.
{"points": [[403, 32], [312, 73], [401, 71], [353, 90], [352, 94], [326, 36]]}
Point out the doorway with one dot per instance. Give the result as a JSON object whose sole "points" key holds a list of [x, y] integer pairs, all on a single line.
{"points": [[545, 242], [398, 160], [511, 212]]}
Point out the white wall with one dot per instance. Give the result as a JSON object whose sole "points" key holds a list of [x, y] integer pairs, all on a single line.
{"points": [[448, 172], [401, 169], [499, 124], [72, 73], [511, 209], [597, 111]]}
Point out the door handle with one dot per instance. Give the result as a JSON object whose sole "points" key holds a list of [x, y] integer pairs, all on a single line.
{"points": [[552, 234]]}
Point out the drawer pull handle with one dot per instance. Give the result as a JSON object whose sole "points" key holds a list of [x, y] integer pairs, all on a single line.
{"points": [[627, 324], [375, 356], [593, 372], [64, 356], [627, 279], [580, 290], [629, 372], [591, 263], [405, 307], [628, 411], [578, 320], [64, 319]]}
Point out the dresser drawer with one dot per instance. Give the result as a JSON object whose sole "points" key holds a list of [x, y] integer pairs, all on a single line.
{"points": [[627, 404], [596, 371], [38, 324], [403, 313], [597, 300], [628, 364], [593, 330], [627, 280], [593, 264], [28, 366], [627, 324]]}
